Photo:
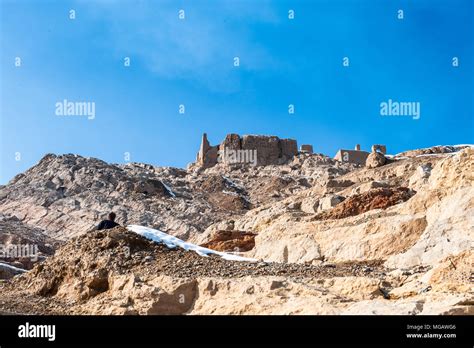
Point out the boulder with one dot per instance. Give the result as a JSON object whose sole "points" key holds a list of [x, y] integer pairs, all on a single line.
{"points": [[310, 205], [151, 187], [379, 148], [330, 201], [375, 159]]}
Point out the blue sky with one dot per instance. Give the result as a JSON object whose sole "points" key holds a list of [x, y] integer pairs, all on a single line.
{"points": [[191, 62]]}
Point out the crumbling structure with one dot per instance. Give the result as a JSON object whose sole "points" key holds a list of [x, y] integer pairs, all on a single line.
{"points": [[257, 150], [207, 155], [306, 148], [358, 156]]}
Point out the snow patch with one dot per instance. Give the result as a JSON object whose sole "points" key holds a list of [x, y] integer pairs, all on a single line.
{"points": [[444, 154], [231, 193], [240, 190], [173, 242], [170, 191], [233, 184], [458, 145], [452, 150], [13, 268]]}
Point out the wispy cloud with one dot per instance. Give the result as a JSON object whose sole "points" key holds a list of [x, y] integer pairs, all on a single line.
{"points": [[199, 48]]}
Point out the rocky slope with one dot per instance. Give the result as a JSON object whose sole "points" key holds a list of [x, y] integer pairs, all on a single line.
{"points": [[66, 195], [119, 272], [21, 246], [394, 237], [435, 222]]}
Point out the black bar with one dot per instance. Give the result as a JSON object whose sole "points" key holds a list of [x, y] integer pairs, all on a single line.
{"points": [[382, 331]]}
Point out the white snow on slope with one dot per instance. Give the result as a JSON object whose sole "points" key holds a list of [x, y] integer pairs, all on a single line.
{"points": [[444, 154], [231, 193], [455, 149], [233, 184], [459, 145], [16, 269], [173, 242], [170, 191]]}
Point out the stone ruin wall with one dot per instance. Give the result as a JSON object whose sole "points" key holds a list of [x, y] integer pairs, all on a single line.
{"points": [[268, 149]]}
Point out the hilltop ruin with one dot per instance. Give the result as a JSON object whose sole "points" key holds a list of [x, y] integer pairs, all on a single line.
{"points": [[358, 156], [257, 150], [262, 150]]}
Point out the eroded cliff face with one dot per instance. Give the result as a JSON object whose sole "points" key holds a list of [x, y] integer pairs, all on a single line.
{"points": [[403, 214], [331, 238]]}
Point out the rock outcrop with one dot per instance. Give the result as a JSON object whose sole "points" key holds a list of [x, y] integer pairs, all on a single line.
{"points": [[378, 198], [404, 228], [230, 240], [330, 237], [22, 246]]}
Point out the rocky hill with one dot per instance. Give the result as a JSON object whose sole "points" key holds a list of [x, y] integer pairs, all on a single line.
{"points": [[66, 195], [392, 237]]}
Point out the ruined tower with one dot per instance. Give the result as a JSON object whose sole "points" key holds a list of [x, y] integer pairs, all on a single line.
{"points": [[269, 150]]}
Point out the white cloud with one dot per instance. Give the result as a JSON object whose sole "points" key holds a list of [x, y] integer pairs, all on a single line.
{"points": [[200, 48]]}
